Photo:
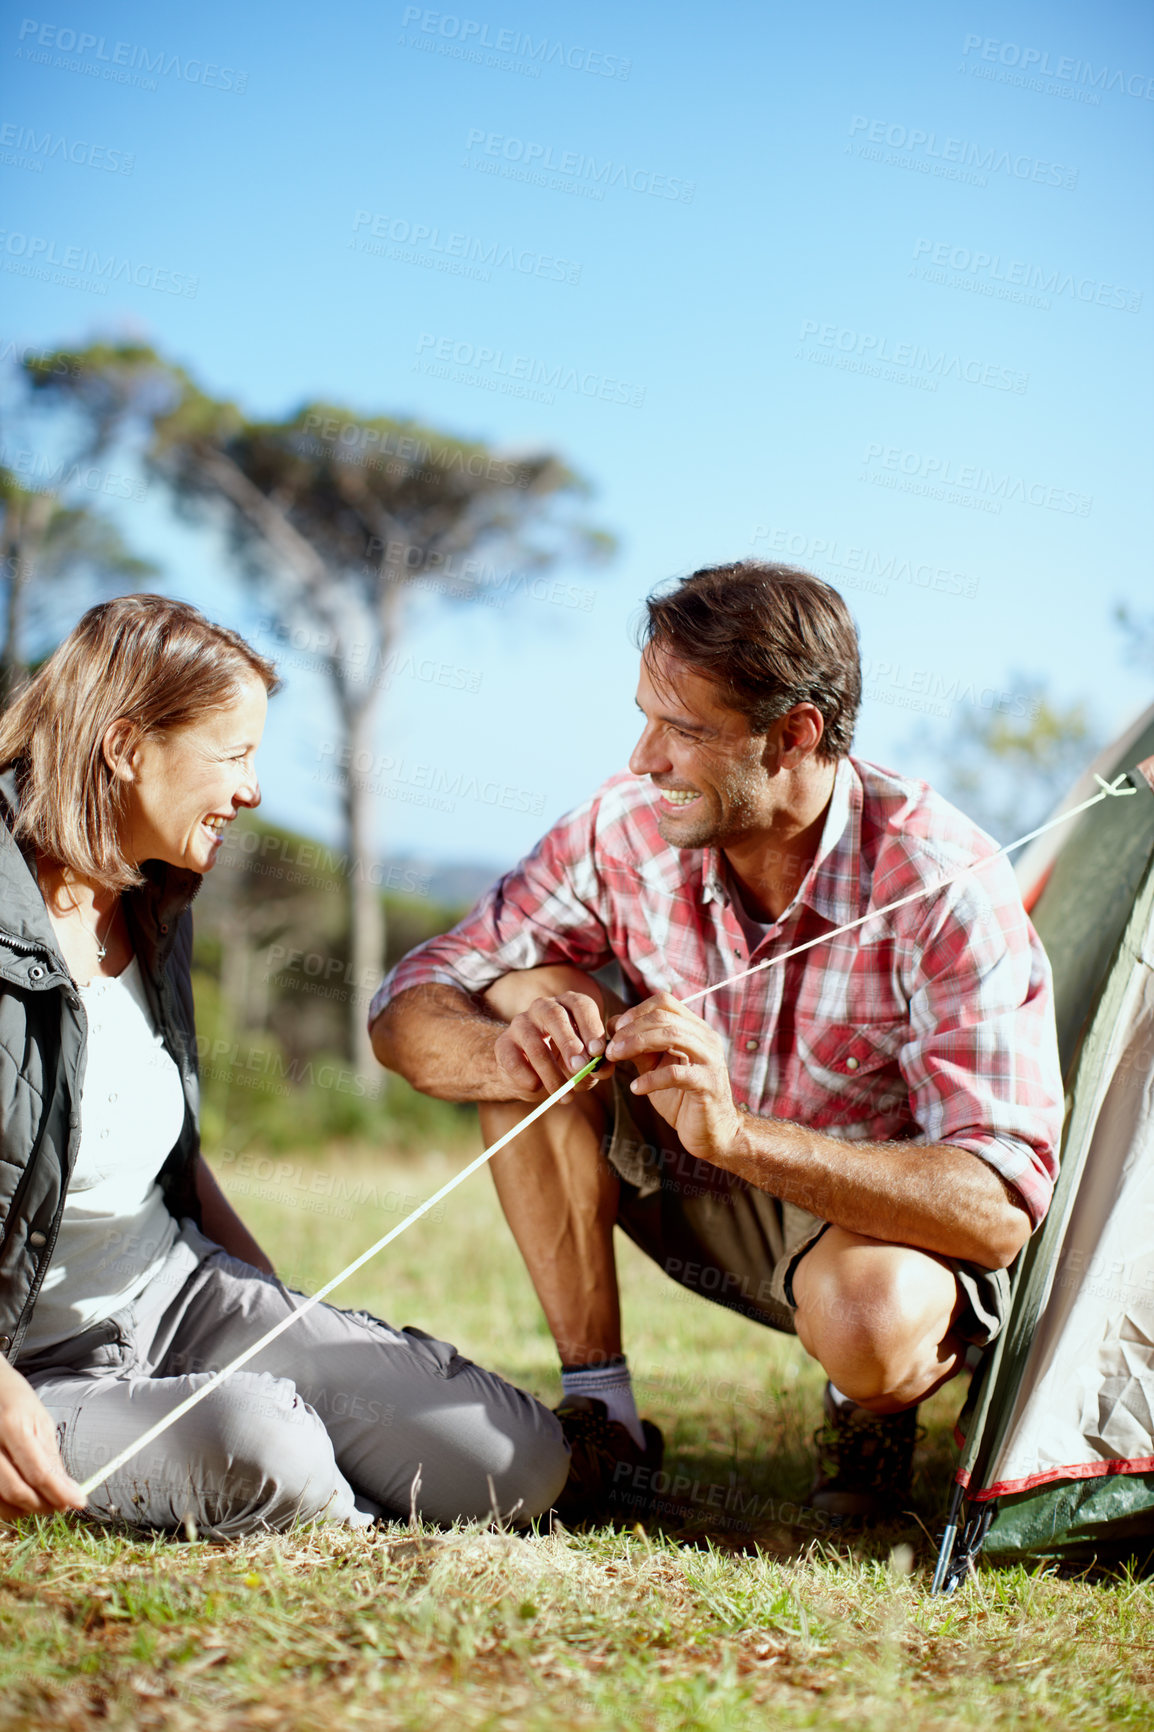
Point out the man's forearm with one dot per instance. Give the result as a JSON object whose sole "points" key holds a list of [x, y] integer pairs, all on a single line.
{"points": [[937, 1197], [441, 1041]]}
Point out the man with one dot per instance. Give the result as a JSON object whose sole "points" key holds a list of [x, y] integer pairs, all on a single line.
{"points": [[853, 1144]]}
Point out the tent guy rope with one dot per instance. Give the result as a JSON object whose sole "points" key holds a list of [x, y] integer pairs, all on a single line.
{"points": [[198, 1395], [1105, 790]]}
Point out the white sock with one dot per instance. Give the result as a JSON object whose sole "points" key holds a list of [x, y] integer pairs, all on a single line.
{"points": [[611, 1384]]}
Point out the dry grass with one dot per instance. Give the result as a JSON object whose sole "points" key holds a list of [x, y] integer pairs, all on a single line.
{"points": [[735, 1617]]}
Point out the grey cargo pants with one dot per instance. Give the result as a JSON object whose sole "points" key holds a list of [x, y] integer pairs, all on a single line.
{"points": [[339, 1419]]}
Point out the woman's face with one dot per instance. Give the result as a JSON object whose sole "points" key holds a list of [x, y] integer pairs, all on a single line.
{"points": [[186, 787]]}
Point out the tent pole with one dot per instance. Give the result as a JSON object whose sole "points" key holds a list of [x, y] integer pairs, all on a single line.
{"points": [[945, 1551]]}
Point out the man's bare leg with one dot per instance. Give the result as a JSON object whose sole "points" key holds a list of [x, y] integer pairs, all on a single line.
{"points": [[879, 1318], [557, 1190]]}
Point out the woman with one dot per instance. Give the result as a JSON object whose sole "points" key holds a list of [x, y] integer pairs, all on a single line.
{"points": [[125, 1277]]}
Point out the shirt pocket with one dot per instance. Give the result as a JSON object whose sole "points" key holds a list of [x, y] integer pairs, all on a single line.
{"points": [[849, 1075], [662, 951]]}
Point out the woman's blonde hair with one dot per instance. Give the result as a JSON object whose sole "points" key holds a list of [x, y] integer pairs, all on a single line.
{"points": [[155, 663]]}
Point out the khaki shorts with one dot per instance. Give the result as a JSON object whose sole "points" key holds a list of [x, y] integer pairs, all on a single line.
{"points": [[720, 1237]]}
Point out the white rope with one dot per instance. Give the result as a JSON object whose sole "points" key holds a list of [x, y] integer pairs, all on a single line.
{"points": [[1106, 788], [219, 1377], [214, 1382]]}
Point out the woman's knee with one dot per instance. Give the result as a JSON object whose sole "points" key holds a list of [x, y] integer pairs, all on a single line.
{"points": [[504, 1457], [263, 1459], [540, 1468]]}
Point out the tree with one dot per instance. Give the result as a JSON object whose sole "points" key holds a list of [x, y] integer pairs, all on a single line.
{"points": [[44, 544], [1138, 630], [331, 516], [1008, 771]]}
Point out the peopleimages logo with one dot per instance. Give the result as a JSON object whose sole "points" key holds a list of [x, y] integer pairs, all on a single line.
{"points": [[936, 693], [470, 35], [449, 249], [1037, 63], [123, 62], [933, 153], [936, 364], [519, 375], [358, 443], [988, 271], [55, 147], [39, 256], [54, 477], [437, 786], [873, 570], [26, 354], [958, 483], [537, 162]]}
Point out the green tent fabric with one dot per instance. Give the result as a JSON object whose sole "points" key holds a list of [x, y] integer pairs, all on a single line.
{"points": [[1058, 1460]]}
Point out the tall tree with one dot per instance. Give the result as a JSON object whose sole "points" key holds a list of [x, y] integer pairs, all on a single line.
{"points": [[45, 544], [1007, 770], [332, 516], [1138, 631]]}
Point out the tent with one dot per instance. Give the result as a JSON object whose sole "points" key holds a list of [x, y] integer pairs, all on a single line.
{"points": [[1058, 1451]]}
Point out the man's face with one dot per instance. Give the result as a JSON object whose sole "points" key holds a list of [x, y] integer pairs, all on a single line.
{"points": [[716, 778]]}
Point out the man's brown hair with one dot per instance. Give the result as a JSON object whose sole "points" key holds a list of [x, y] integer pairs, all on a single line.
{"points": [[769, 637], [156, 663]]}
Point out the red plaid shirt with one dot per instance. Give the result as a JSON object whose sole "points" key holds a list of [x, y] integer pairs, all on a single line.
{"points": [[933, 1023]]}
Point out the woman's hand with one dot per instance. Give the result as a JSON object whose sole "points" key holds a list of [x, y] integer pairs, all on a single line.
{"points": [[681, 1061], [32, 1476]]}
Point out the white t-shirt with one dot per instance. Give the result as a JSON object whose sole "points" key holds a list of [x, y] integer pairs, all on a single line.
{"points": [[116, 1229]]}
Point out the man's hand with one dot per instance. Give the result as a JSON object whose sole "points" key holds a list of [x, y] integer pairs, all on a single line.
{"points": [[542, 1047], [681, 1062], [32, 1476]]}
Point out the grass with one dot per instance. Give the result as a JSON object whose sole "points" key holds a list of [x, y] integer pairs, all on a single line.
{"points": [[745, 1613]]}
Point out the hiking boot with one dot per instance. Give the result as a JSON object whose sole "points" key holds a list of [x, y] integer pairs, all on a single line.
{"points": [[609, 1476], [863, 1461]]}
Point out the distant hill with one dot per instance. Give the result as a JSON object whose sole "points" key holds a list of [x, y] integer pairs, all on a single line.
{"points": [[456, 886]]}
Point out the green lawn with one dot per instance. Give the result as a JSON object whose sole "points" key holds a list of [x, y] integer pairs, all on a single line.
{"points": [[744, 1613]]}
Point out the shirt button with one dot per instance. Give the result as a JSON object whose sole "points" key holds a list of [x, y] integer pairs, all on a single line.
{"points": [[5, 1343], [104, 1134], [751, 1046], [851, 1064], [36, 1240], [113, 1096], [743, 1106]]}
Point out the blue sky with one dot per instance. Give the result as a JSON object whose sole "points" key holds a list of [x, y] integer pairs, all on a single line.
{"points": [[874, 287]]}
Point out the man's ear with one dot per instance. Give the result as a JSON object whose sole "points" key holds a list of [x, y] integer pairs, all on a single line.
{"points": [[801, 732], [120, 747]]}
